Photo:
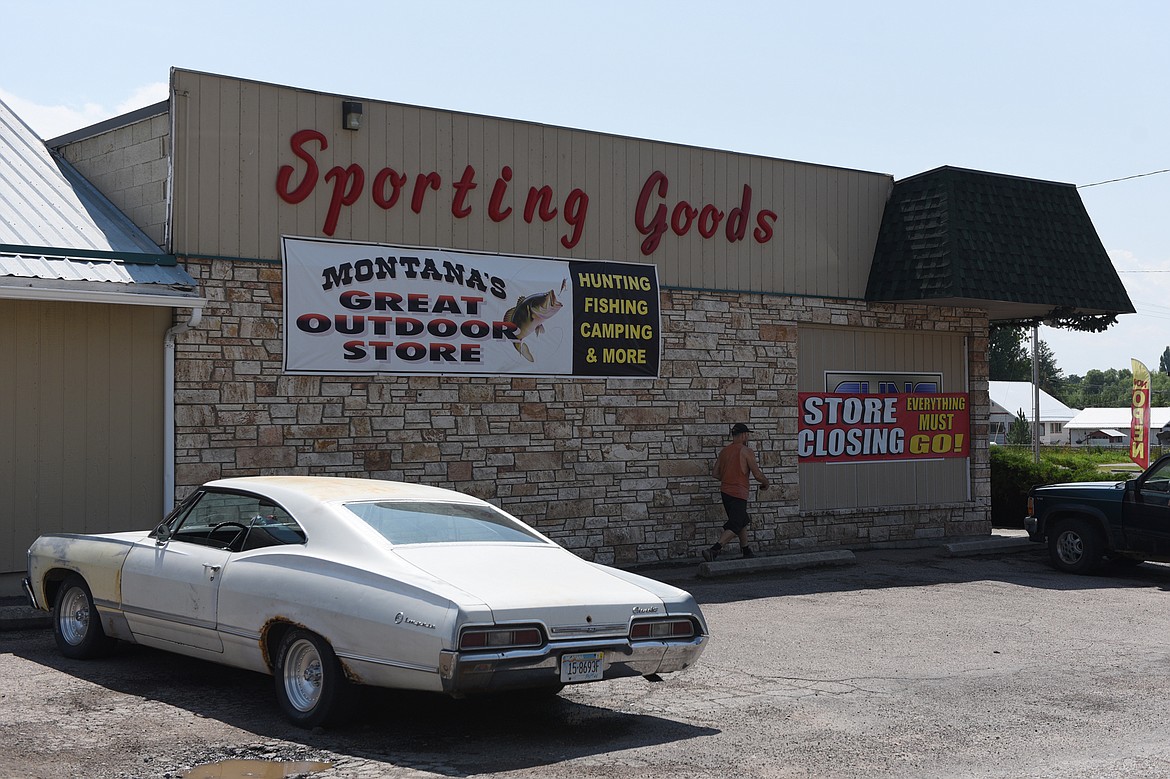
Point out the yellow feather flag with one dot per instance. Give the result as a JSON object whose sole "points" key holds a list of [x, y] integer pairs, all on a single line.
{"points": [[1139, 424]]}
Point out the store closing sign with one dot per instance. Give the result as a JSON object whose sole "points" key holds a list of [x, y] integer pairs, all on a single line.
{"points": [[836, 427], [353, 308]]}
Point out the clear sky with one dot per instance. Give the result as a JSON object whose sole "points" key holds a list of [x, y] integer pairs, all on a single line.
{"points": [[1068, 91]]}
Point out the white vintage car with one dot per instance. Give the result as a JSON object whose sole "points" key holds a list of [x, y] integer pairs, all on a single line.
{"points": [[327, 582]]}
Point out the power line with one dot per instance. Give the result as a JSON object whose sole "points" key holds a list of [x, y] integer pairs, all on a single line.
{"points": [[1124, 178]]}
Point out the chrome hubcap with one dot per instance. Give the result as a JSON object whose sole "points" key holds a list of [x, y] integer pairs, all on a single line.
{"points": [[303, 675], [73, 620]]}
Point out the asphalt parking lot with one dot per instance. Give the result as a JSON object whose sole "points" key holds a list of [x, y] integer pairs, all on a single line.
{"points": [[904, 664]]}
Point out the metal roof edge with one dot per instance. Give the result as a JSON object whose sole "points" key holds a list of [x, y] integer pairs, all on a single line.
{"points": [[130, 258], [987, 173], [85, 292], [113, 123]]}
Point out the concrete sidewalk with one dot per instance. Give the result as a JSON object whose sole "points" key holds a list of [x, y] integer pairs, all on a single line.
{"points": [[733, 565]]}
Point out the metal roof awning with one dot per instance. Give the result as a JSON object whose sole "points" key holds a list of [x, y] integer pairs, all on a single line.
{"points": [[62, 239], [116, 278]]}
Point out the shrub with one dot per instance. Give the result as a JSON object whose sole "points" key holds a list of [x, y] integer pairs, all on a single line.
{"points": [[1014, 472]]}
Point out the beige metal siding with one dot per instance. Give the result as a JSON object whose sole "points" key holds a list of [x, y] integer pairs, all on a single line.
{"points": [[865, 485], [80, 420], [232, 137]]}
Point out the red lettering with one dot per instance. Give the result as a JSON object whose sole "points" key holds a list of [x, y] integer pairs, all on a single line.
{"points": [[541, 198], [738, 218], [709, 219], [462, 187], [285, 173], [389, 186], [498, 190], [764, 221], [347, 186], [706, 217], [576, 205], [397, 181], [688, 214], [421, 182], [653, 229]]}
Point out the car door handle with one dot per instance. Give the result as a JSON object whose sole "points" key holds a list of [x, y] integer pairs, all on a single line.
{"points": [[211, 570]]}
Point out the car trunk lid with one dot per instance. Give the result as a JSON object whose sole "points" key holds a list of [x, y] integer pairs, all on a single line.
{"points": [[536, 582]]}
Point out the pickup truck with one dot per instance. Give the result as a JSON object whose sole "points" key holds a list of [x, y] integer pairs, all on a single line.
{"points": [[1088, 522]]}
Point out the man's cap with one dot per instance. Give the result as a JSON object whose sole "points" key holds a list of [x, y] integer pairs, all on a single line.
{"points": [[739, 427]]}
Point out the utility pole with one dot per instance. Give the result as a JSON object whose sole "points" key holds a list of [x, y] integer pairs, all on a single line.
{"points": [[1036, 391]]}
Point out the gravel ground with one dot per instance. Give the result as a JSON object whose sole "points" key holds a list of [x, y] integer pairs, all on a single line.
{"points": [[903, 665]]}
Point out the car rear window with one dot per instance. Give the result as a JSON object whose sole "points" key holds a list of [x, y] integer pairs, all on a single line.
{"points": [[402, 522]]}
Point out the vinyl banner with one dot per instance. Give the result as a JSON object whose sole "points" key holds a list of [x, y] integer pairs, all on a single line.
{"points": [[353, 308], [836, 427], [1139, 410]]}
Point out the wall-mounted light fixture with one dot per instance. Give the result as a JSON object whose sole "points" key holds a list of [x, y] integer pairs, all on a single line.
{"points": [[351, 114]]}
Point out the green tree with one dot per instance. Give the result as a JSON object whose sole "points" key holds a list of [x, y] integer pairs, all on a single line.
{"points": [[1020, 433], [1051, 376], [1008, 360], [1164, 361], [1071, 391]]}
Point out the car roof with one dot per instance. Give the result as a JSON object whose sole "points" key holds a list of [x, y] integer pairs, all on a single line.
{"points": [[332, 489]]}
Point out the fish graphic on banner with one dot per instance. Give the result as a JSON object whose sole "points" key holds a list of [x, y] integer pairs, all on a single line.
{"points": [[529, 315]]}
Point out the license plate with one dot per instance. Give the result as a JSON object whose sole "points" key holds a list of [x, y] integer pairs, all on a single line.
{"points": [[582, 667]]}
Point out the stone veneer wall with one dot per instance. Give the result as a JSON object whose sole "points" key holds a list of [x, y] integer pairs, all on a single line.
{"points": [[617, 470]]}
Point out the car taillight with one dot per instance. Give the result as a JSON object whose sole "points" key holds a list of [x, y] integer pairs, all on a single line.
{"points": [[650, 629], [501, 638], [1031, 507]]}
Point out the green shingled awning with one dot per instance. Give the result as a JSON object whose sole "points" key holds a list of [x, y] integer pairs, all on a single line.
{"points": [[1019, 248]]}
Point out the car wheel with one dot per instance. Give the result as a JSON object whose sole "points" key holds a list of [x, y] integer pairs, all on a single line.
{"points": [[310, 685], [77, 627], [1075, 546]]}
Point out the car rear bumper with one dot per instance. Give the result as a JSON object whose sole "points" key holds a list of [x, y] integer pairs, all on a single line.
{"points": [[465, 673]]}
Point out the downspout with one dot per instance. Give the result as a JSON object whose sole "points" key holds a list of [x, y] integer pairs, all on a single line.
{"points": [[169, 404]]}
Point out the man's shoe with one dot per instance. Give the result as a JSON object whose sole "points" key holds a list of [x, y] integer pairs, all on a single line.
{"points": [[748, 553], [710, 554]]}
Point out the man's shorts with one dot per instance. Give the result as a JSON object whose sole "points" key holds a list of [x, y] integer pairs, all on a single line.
{"points": [[737, 516]]}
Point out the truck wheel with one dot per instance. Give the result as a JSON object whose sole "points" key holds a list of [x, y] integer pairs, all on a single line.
{"points": [[1076, 546]]}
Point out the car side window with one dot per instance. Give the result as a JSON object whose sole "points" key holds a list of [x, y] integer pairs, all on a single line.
{"points": [[1157, 480], [237, 522]]}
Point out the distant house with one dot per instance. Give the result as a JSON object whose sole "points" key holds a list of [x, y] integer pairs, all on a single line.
{"points": [[1008, 398], [1110, 426]]}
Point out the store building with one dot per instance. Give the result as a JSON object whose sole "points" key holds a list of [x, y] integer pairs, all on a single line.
{"points": [[567, 323], [87, 312]]}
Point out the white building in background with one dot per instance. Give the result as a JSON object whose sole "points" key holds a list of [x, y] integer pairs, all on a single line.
{"points": [[1008, 398], [1110, 426]]}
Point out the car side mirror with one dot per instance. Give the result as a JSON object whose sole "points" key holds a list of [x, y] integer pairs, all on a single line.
{"points": [[162, 534]]}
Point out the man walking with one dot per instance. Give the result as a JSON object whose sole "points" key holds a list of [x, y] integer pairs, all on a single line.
{"points": [[732, 467]]}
